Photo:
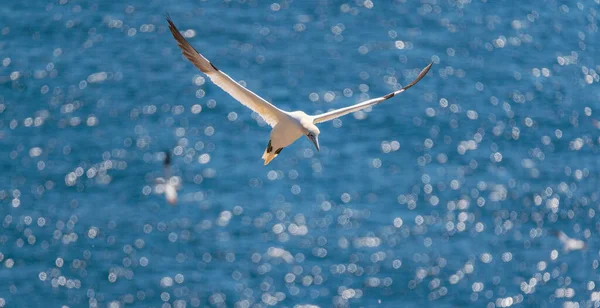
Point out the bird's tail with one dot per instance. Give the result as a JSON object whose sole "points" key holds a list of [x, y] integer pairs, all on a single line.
{"points": [[268, 156], [270, 153]]}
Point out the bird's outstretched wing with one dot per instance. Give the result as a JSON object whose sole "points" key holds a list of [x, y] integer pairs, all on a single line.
{"points": [[266, 110], [327, 116]]}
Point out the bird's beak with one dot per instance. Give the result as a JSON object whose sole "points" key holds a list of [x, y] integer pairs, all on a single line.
{"points": [[315, 141]]}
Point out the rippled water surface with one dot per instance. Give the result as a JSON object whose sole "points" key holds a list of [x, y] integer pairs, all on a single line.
{"points": [[448, 195]]}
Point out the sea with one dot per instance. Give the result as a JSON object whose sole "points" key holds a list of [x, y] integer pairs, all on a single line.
{"points": [[467, 190]]}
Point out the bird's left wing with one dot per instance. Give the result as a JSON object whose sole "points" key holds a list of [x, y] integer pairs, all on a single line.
{"points": [[327, 116], [266, 110]]}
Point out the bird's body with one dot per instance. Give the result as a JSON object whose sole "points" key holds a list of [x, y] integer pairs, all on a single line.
{"points": [[287, 127], [570, 244], [285, 132], [171, 192], [168, 186]]}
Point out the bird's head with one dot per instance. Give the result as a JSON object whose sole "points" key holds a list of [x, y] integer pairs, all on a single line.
{"points": [[312, 133]]}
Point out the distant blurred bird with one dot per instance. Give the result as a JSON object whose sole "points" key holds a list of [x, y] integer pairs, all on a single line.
{"points": [[287, 126], [569, 244], [169, 183]]}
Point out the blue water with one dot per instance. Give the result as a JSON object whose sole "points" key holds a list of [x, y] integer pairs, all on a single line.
{"points": [[447, 195]]}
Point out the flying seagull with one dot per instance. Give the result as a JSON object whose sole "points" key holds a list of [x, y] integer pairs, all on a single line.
{"points": [[287, 126], [569, 244], [168, 183]]}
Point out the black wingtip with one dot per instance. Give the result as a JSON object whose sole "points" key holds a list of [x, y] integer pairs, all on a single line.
{"points": [[424, 71], [169, 20], [428, 67], [420, 76]]}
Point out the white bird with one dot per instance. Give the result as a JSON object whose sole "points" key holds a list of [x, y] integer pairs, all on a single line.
{"points": [[569, 244], [168, 183], [287, 126]]}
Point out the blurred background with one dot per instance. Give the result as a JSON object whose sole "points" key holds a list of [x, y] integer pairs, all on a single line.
{"points": [[449, 195]]}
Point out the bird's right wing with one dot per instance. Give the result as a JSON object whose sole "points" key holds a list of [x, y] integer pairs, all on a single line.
{"points": [[266, 110], [327, 116]]}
